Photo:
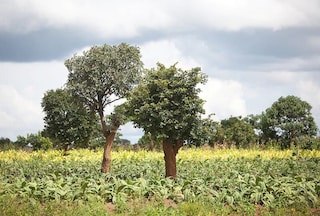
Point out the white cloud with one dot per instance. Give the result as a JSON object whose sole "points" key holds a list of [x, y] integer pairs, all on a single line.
{"points": [[165, 52], [18, 112], [117, 18], [225, 98], [22, 87], [309, 90], [126, 18], [276, 84]]}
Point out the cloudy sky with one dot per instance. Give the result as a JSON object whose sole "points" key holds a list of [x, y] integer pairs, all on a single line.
{"points": [[253, 51]]}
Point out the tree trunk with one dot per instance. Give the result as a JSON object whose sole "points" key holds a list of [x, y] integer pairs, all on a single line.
{"points": [[170, 150], [106, 159], [66, 147], [109, 133]]}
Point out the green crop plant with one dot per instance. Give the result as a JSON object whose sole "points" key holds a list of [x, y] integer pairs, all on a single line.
{"points": [[244, 179]]}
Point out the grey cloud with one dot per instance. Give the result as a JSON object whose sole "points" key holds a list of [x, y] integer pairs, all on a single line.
{"points": [[243, 50], [44, 44], [56, 44]]}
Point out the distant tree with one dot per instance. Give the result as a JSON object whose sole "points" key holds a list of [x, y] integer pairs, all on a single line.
{"points": [[204, 132], [119, 140], [39, 142], [219, 137], [6, 144], [238, 131], [149, 142], [255, 121], [21, 141], [36, 141], [67, 121], [166, 104], [4, 141], [288, 118], [101, 76]]}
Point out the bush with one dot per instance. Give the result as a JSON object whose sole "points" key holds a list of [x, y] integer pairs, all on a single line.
{"points": [[307, 142], [6, 144], [37, 141]]}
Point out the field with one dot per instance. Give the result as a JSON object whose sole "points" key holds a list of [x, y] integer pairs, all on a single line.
{"points": [[210, 182]]}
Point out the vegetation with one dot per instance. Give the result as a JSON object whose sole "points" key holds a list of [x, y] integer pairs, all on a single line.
{"points": [[166, 104], [287, 119], [67, 121], [212, 182], [101, 76], [238, 132]]}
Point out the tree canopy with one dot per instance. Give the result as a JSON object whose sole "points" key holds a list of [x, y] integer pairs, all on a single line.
{"points": [[166, 102], [288, 118], [66, 119], [104, 74], [238, 131]]}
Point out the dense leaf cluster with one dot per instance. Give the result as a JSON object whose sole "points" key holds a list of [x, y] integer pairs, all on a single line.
{"points": [[66, 119], [288, 118], [166, 102], [104, 73]]}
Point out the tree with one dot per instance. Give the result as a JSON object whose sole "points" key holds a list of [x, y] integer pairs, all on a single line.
{"points": [[36, 141], [101, 76], [288, 118], [166, 104], [204, 132], [5, 143], [149, 142], [21, 141], [66, 119], [237, 130]]}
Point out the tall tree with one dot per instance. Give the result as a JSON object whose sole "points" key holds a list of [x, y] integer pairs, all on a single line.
{"points": [[166, 104], [66, 119], [288, 118], [101, 76]]}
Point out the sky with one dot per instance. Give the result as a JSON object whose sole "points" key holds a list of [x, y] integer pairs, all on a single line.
{"points": [[253, 51]]}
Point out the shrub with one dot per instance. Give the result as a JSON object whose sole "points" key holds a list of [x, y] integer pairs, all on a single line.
{"points": [[307, 142]]}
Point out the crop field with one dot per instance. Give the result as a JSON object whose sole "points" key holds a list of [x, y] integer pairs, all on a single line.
{"points": [[209, 182]]}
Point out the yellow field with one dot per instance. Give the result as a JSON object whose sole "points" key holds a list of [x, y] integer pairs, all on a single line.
{"points": [[184, 154]]}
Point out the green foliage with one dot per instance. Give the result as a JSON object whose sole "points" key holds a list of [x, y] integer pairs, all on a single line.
{"points": [[205, 132], [118, 116], [66, 119], [219, 186], [104, 74], [288, 118], [21, 141], [307, 142], [166, 103], [149, 142], [237, 130], [4, 141], [14, 205], [6, 144], [37, 141]]}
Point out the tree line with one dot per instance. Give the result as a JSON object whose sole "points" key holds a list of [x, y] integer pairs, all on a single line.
{"points": [[164, 102]]}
